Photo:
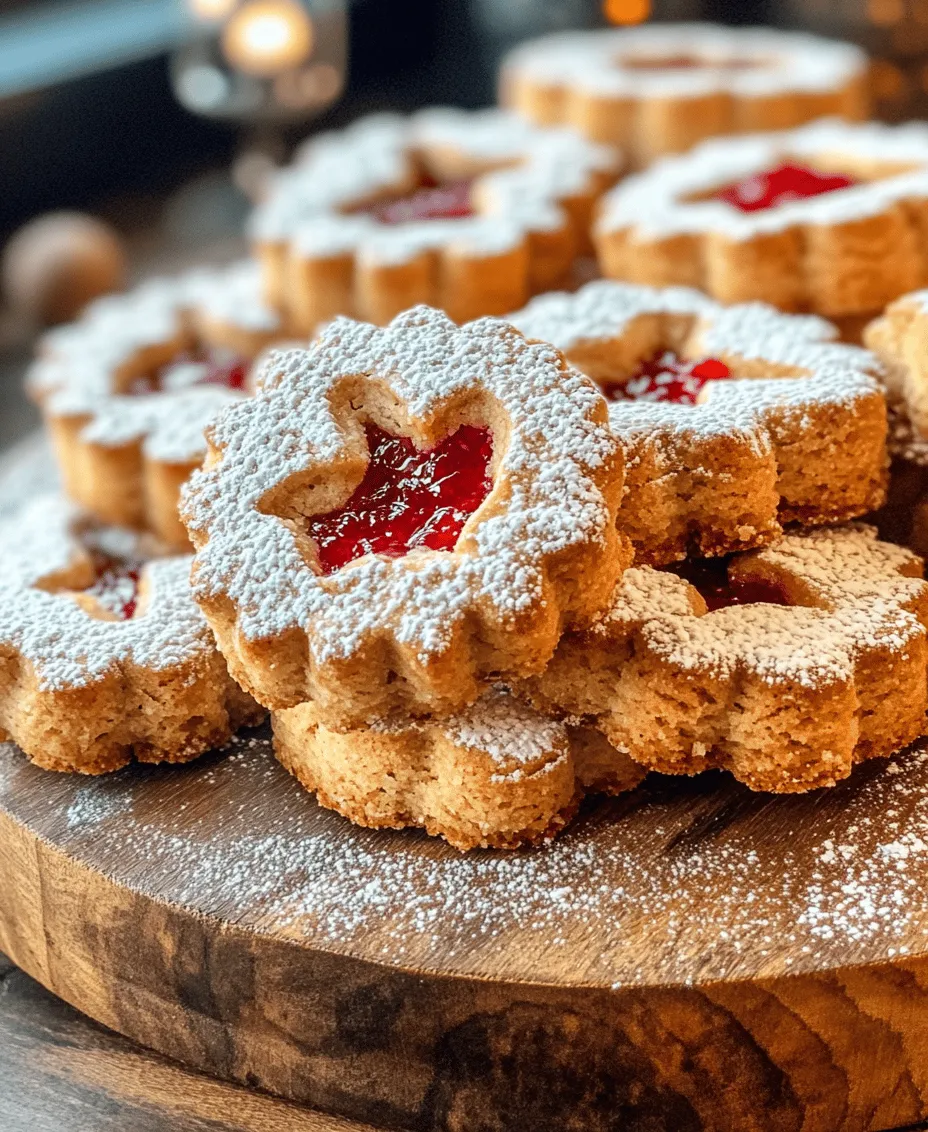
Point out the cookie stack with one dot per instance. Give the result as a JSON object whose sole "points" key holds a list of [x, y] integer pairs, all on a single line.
{"points": [[477, 567]]}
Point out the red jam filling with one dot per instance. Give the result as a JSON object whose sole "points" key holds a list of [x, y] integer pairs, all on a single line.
{"points": [[187, 371], [710, 577], [116, 587], [788, 182], [408, 498], [429, 202], [667, 377]]}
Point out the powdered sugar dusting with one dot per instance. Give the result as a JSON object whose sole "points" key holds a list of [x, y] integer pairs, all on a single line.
{"points": [[794, 360], [776, 62], [80, 366], [862, 602], [684, 881], [63, 644], [526, 174], [663, 201], [556, 448]]}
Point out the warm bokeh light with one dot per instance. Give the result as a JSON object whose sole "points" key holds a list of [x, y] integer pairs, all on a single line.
{"points": [[266, 37], [626, 11], [212, 9], [885, 12]]}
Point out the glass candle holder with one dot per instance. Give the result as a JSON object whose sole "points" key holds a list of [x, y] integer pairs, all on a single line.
{"points": [[262, 61]]}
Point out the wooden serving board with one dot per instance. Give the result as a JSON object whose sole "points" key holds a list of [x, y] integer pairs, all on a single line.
{"points": [[691, 956]]}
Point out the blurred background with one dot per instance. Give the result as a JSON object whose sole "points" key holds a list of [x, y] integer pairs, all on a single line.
{"points": [[160, 116]]}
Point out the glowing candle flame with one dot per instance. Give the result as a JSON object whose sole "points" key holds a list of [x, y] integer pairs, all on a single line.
{"points": [[266, 37]]}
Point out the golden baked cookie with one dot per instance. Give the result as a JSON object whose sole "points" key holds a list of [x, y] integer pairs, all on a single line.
{"points": [[496, 775], [128, 388], [469, 211], [734, 420], [828, 218], [403, 515], [801, 660], [104, 656], [899, 337], [661, 88]]}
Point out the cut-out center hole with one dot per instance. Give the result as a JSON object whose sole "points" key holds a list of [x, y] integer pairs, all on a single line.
{"points": [[710, 577], [408, 498], [667, 377], [211, 367], [787, 182], [684, 62], [430, 200], [116, 587]]}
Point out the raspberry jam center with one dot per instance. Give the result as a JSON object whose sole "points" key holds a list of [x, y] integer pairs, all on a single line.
{"points": [[667, 377], [788, 182], [216, 367], [116, 586], [408, 497], [710, 577], [429, 202]]}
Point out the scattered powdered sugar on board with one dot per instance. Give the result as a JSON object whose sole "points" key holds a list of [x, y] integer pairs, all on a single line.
{"points": [[680, 881]]}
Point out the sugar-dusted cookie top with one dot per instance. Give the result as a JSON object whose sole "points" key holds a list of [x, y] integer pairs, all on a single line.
{"points": [[501, 535], [734, 420]]}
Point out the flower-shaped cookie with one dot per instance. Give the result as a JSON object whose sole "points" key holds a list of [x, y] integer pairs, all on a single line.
{"points": [[472, 212], [827, 218], [128, 388], [661, 88], [104, 656], [403, 515], [495, 775], [803, 659], [735, 420]]}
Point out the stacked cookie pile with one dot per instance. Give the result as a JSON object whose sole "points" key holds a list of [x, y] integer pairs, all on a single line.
{"points": [[474, 566]]}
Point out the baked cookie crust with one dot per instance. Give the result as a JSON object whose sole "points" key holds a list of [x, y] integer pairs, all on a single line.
{"points": [[425, 631], [796, 434], [843, 253], [661, 88], [123, 447], [787, 698], [91, 678], [520, 212]]}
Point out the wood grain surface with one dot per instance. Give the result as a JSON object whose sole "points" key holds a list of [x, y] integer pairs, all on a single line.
{"points": [[60, 1072], [691, 956]]}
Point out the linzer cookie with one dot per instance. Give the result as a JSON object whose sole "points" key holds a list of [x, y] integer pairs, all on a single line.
{"points": [[827, 218], [735, 420], [661, 88], [472, 212], [127, 390], [496, 775], [799, 661], [404, 515], [104, 656]]}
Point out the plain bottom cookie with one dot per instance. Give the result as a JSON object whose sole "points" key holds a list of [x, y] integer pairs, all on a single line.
{"points": [[497, 775]]}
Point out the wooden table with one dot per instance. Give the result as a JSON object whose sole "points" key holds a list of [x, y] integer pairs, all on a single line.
{"points": [[60, 1072]]}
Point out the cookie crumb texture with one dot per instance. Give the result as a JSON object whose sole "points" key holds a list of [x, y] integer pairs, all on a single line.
{"points": [[127, 389], [845, 243], [497, 775], [660, 89], [790, 427], [422, 632], [470, 211], [786, 698], [104, 657]]}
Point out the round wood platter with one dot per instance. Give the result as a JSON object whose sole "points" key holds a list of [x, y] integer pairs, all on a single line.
{"points": [[690, 956]]}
